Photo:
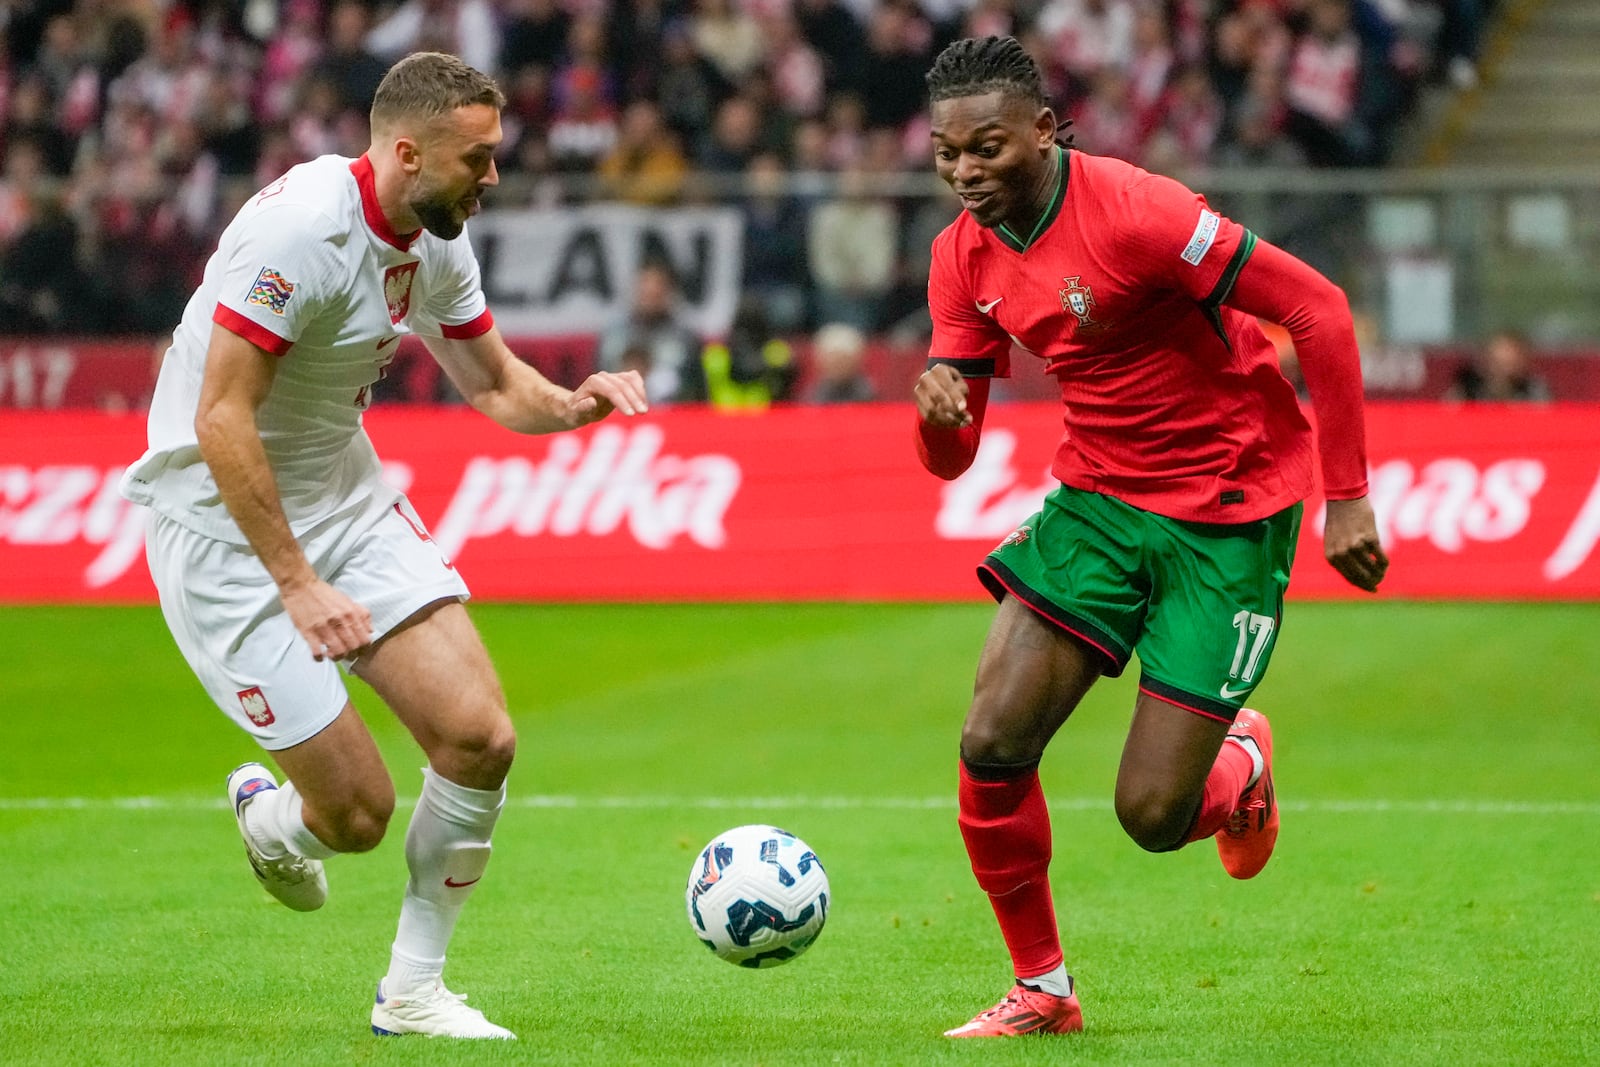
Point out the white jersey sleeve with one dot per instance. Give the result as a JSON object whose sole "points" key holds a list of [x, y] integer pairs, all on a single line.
{"points": [[455, 305], [284, 269]]}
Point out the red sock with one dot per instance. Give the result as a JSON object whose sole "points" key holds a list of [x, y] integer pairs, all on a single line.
{"points": [[1223, 786], [1007, 830]]}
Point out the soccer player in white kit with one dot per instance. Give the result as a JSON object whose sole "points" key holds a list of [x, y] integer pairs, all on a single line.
{"points": [[280, 555]]}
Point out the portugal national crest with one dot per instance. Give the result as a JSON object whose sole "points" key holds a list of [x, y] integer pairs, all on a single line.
{"points": [[1078, 299], [1015, 537]]}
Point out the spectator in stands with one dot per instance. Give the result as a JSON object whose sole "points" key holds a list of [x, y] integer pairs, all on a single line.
{"points": [[60, 57], [838, 354], [1150, 63], [775, 124], [42, 287], [653, 334], [1106, 123], [799, 78], [314, 120], [21, 185], [808, 152], [734, 138], [585, 58], [774, 259], [1501, 371], [899, 49], [583, 126], [189, 179], [1258, 139], [986, 18], [228, 125], [836, 35], [724, 33], [646, 166], [352, 71], [1084, 37], [29, 117], [687, 85], [847, 131], [1187, 124], [852, 243], [535, 34], [633, 43], [525, 118], [752, 369], [293, 50], [467, 28], [1335, 91]]}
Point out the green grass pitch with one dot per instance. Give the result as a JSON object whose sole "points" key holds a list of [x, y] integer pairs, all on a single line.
{"points": [[1435, 897]]}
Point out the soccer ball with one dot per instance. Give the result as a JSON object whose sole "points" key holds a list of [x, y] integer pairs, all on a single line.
{"points": [[757, 896]]}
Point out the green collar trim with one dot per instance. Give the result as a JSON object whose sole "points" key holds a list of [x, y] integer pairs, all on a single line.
{"points": [[1017, 244]]}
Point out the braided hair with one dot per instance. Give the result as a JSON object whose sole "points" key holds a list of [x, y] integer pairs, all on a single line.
{"points": [[974, 66]]}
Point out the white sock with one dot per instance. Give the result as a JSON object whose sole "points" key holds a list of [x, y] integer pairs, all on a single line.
{"points": [[447, 849], [1057, 982], [275, 819], [1257, 764]]}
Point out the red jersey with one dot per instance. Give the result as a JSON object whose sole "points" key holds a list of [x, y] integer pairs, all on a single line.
{"points": [[1174, 401]]}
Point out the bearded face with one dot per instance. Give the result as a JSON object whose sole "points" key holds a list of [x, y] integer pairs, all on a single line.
{"points": [[443, 208], [457, 166]]}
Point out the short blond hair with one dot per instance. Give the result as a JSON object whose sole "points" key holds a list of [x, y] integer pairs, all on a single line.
{"points": [[426, 85]]}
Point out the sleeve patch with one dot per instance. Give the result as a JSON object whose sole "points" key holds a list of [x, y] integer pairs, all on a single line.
{"points": [[271, 290], [1205, 232]]}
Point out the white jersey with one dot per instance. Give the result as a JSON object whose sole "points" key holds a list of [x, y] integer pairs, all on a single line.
{"points": [[311, 271]]}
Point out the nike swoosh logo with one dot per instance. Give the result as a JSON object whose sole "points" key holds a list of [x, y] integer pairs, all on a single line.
{"points": [[462, 885], [1230, 693], [986, 308], [387, 341]]}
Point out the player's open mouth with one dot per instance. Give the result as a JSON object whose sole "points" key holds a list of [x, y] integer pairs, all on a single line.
{"points": [[974, 201]]}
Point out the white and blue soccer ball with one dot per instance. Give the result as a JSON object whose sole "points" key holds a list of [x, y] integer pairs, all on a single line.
{"points": [[757, 896]]}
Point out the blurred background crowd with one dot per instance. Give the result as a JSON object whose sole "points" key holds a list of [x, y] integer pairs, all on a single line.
{"points": [[134, 128]]}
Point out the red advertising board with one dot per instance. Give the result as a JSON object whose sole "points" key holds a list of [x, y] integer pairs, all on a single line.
{"points": [[814, 504]]}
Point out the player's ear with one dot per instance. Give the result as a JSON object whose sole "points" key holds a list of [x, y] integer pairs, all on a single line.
{"points": [[408, 155], [1044, 128]]}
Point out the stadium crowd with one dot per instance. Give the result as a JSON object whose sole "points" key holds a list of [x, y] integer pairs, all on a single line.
{"points": [[134, 128]]}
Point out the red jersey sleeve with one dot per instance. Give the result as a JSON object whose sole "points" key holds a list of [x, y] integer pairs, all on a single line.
{"points": [[1282, 289], [1167, 234], [962, 336]]}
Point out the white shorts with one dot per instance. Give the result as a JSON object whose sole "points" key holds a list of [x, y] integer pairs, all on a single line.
{"points": [[225, 613]]}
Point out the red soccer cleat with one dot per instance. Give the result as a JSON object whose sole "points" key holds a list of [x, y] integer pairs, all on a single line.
{"points": [[1246, 839], [1025, 1011]]}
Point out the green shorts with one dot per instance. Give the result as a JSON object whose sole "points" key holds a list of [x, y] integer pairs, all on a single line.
{"points": [[1199, 602]]}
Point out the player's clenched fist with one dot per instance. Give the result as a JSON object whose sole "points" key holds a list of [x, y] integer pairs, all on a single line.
{"points": [[941, 395]]}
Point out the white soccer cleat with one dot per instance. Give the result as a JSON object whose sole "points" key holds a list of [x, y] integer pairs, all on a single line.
{"points": [[297, 881], [433, 1012]]}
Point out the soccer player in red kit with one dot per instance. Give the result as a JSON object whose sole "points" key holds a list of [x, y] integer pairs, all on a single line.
{"points": [[1182, 470]]}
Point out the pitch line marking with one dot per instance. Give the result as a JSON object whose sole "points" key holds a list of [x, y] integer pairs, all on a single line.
{"points": [[1587, 809]]}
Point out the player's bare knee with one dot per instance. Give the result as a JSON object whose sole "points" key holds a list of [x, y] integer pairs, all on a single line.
{"points": [[985, 743], [478, 752], [1153, 821], [361, 825]]}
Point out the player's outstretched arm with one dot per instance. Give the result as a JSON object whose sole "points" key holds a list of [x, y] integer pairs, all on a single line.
{"points": [[238, 376], [950, 412], [1281, 288], [494, 381]]}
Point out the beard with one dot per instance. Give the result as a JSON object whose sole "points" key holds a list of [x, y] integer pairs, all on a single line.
{"points": [[441, 217]]}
